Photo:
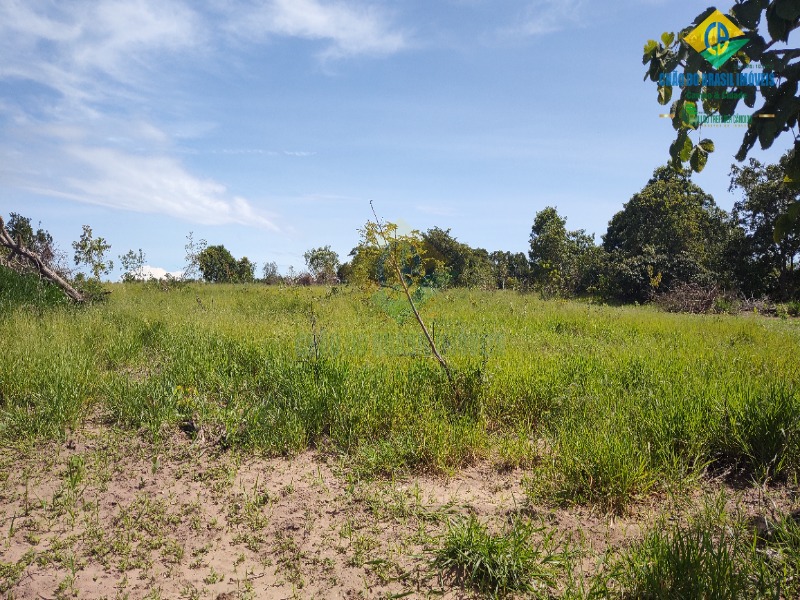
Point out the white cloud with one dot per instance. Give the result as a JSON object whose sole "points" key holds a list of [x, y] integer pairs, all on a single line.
{"points": [[350, 29], [155, 184], [74, 143], [80, 48], [149, 272], [549, 16]]}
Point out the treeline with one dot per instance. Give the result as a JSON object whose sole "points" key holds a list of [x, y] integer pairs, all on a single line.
{"points": [[670, 238]]}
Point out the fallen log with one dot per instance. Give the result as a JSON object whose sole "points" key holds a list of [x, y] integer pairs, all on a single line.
{"points": [[18, 249]]}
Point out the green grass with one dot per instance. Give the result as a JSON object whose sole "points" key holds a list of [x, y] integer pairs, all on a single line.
{"points": [[499, 564], [27, 291], [712, 556], [609, 403]]}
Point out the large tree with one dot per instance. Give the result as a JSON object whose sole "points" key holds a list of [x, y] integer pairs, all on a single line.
{"points": [[218, 265], [560, 260], [763, 265], [671, 232]]}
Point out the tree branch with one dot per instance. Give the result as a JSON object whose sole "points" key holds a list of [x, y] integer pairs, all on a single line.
{"points": [[18, 249]]}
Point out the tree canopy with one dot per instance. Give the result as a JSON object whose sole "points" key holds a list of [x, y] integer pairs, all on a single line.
{"points": [[322, 263], [218, 265], [762, 263], [671, 232]]}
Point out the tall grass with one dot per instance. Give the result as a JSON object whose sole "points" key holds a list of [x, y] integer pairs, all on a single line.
{"points": [[712, 556], [27, 291], [609, 403]]}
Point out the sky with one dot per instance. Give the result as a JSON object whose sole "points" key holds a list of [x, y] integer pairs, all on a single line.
{"points": [[269, 125]]}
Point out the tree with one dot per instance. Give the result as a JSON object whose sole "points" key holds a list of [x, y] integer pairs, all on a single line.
{"points": [[403, 255], [676, 227], [133, 265], [17, 249], [270, 273], [193, 251], [322, 263], [91, 251], [559, 258], [509, 269], [704, 54], [217, 264], [245, 271], [762, 264]]}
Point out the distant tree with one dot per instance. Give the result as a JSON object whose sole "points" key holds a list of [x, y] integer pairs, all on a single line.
{"points": [[270, 273], [133, 265], [445, 253], [510, 270], [477, 271], [450, 262], [761, 264], [193, 250], [560, 260], [322, 263], [245, 271], [217, 264], [677, 226], [91, 251]]}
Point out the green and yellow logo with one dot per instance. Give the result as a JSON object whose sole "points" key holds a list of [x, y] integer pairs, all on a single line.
{"points": [[717, 39]]}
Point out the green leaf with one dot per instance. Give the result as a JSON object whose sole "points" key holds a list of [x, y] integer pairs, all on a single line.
{"points": [[749, 96], [767, 132], [755, 48], [707, 145], [748, 13], [677, 147], [791, 167], [664, 94], [787, 9], [748, 142], [667, 38], [650, 46], [686, 151], [698, 159], [787, 222], [778, 27]]}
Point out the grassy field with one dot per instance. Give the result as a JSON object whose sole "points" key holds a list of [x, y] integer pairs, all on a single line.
{"points": [[584, 407]]}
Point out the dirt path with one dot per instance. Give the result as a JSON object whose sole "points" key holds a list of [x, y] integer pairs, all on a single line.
{"points": [[105, 515]]}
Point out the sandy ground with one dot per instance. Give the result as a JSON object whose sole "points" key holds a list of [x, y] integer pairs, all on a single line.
{"points": [[105, 515]]}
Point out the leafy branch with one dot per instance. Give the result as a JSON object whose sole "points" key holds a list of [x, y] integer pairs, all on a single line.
{"points": [[398, 248]]}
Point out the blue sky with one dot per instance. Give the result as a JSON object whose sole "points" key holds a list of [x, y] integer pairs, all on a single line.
{"points": [[269, 125]]}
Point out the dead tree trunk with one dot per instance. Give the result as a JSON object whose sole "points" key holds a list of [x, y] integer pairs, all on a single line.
{"points": [[18, 249]]}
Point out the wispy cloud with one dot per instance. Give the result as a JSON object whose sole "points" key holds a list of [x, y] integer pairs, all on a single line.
{"points": [[88, 50], [156, 184], [77, 135], [550, 16], [89, 119], [349, 28]]}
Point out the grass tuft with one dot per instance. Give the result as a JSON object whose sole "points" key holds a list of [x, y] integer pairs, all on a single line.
{"points": [[498, 564]]}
